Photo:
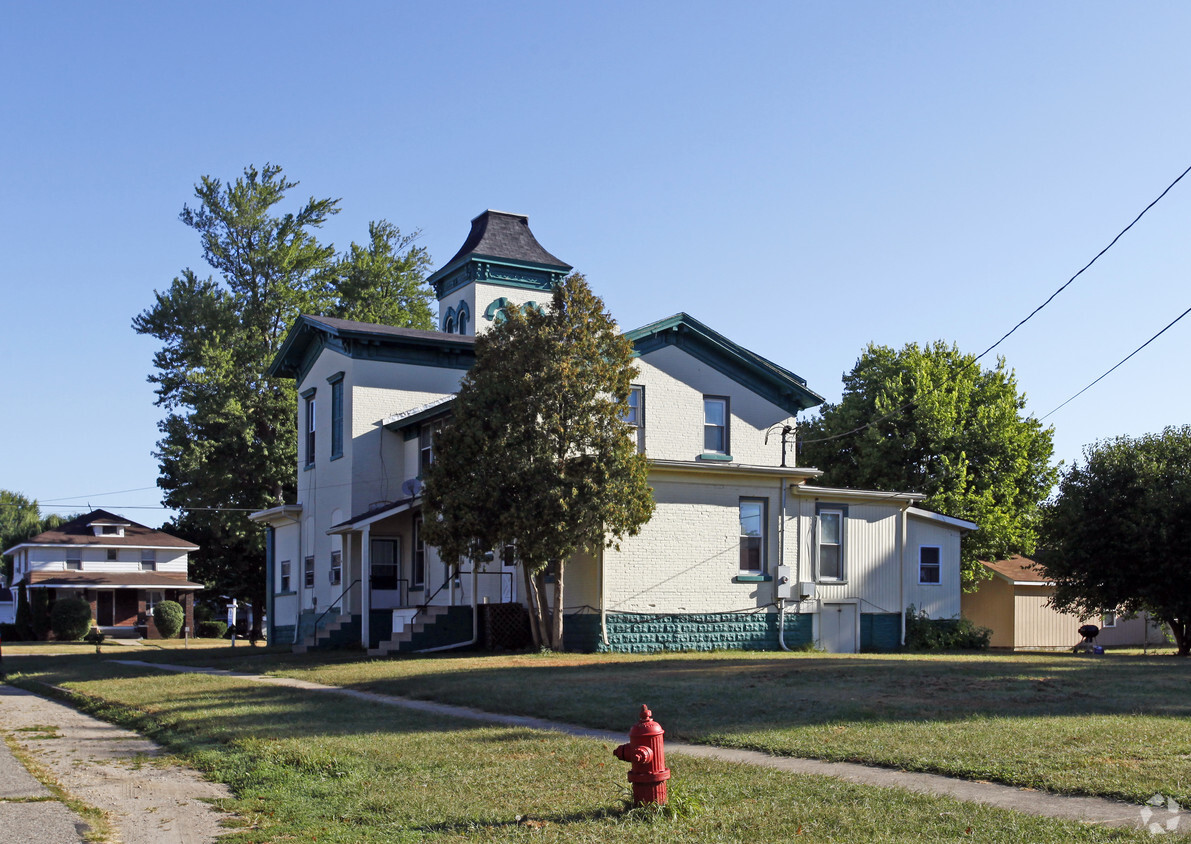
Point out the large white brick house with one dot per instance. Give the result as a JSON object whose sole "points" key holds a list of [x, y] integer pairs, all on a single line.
{"points": [[737, 542]]}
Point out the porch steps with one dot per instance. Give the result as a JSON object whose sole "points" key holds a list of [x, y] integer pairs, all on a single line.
{"points": [[340, 631], [433, 626]]}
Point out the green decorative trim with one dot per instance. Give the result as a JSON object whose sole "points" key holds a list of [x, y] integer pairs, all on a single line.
{"points": [[336, 378], [773, 383], [284, 594], [308, 393], [335, 457], [307, 467], [494, 309], [752, 578], [715, 457]]}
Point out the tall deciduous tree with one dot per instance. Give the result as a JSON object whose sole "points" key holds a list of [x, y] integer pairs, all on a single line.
{"points": [[229, 442], [929, 419], [538, 456], [1118, 534], [20, 518]]}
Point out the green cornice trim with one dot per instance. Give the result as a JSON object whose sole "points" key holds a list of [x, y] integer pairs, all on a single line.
{"points": [[752, 578], [771, 382], [713, 456]]}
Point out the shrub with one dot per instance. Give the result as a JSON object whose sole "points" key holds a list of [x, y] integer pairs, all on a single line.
{"points": [[212, 629], [943, 634], [168, 616], [202, 612], [10, 632], [39, 603], [70, 619], [24, 615]]}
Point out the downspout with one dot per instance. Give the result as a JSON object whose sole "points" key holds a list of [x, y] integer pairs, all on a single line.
{"points": [[781, 561], [901, 571], [475, 618], [603, 607]]}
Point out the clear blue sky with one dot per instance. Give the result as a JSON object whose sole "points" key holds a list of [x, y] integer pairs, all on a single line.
{"points": [[805, 178]]}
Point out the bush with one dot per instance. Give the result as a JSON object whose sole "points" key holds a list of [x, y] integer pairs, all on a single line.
{"points": [[39, 603], [24, 615], [70, 619], [202, 612], [168, 616], [10, 632], [943, 634], [212, 629]]}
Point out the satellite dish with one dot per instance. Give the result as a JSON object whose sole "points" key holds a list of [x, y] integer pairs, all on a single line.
{"points": [[411, 488]]}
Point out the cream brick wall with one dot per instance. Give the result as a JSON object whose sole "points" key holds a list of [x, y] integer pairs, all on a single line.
{"points": [[675, 384]]}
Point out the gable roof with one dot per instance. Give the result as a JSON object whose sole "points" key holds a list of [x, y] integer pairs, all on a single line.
{"points": [[78, 532], [774, 383], [501, 236], [309, 335], [952, 521], [1018, 570]]}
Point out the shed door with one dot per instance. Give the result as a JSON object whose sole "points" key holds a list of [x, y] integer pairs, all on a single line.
{"points": [[837, 628]]}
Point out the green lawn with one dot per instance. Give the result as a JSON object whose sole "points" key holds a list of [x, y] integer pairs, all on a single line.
{"points": [[307, 767], [1115, 726]]}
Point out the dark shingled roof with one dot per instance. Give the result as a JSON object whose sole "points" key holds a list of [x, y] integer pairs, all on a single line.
{"points": [[77, 532], [125, 579], [497, 234], [351, 327]]}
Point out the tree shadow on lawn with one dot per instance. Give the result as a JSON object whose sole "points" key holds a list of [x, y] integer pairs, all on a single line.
{"points": [[693, 697]]}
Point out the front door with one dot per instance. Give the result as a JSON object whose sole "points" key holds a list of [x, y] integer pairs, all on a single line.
{"points": [[384, 559], [837, 628], [105, 608]]}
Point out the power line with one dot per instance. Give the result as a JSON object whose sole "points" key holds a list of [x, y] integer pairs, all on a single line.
{"points": [[1131, 354], [93, 495], [1085, 266]]}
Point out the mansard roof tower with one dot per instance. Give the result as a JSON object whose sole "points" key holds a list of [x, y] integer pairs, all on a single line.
{"points": [[500, 265]]}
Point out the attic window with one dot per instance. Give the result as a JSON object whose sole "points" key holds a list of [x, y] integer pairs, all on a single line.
{"points": [[108, 530]]}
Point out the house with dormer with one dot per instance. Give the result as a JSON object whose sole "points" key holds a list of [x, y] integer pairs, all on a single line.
{"points": [[743, 549], [122, 568]]}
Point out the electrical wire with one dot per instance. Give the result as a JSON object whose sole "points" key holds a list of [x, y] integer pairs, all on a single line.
{"points": [[1121, 361]]}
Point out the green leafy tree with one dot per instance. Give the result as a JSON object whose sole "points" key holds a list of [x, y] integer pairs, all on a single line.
{"points": [[385, 281], [538, 457], [229, 443], [929, 419], [1118, 534], [20, 519]]}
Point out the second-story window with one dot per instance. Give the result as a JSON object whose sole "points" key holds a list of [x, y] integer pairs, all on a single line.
{"points": [[148, 560], [337, 417], [634, 416], [426, 435], [113, 555], [715, 424], [74, 561], [310, 425]]}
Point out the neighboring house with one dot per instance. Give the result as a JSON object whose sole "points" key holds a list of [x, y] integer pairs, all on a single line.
{"points": [[8, 607], [1014, 605], [736, 536], [122, 568]]}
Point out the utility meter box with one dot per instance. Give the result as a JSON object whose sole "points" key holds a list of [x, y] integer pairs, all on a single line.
{"points": [[785, 588], [806, 589]]}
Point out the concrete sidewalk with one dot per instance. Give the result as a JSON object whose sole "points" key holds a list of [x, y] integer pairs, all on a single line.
{"points": [[1162, 818], [102, 766]]}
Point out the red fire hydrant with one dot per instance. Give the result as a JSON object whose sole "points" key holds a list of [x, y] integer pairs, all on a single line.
{"points": [[648, 758]]}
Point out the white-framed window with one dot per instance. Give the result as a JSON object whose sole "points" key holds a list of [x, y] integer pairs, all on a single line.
{"points": [[309, 428], [426, 435], [308, 573], [109, 530], [74, 561], [752, 535], [830, 533], [634, 416], [417, 573], [384, 561], [152, 599], [930, 564], [113, 555], [336, 567], [1109, 619], [148, 559], [715, 424]]}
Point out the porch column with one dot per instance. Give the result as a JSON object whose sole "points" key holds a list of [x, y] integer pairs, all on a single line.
{"points": [[365, 584]]}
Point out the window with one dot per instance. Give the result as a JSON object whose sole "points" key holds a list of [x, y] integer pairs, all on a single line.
{"points": [[929, 569], [308, 573], [715, 424], [417, 574], [385, 560], [449, 324], [113, 555], [284, 567], [74, 561], [752, 535], [337, 416], [148, 560], [336, 568], [1109, 619], [109, 530], [634, 415], [464, 318], [310, 429], [426, 444], [831, 544], [152, 599]]}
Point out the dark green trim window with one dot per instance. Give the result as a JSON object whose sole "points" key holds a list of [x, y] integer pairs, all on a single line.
{"points": [[417, 572], [634, 415], [284, 569], [336, 415], [752, 535], [308, 428], [715, 425]]}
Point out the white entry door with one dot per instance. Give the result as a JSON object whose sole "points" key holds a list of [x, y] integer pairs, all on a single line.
{"points": [[837, 628]]}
